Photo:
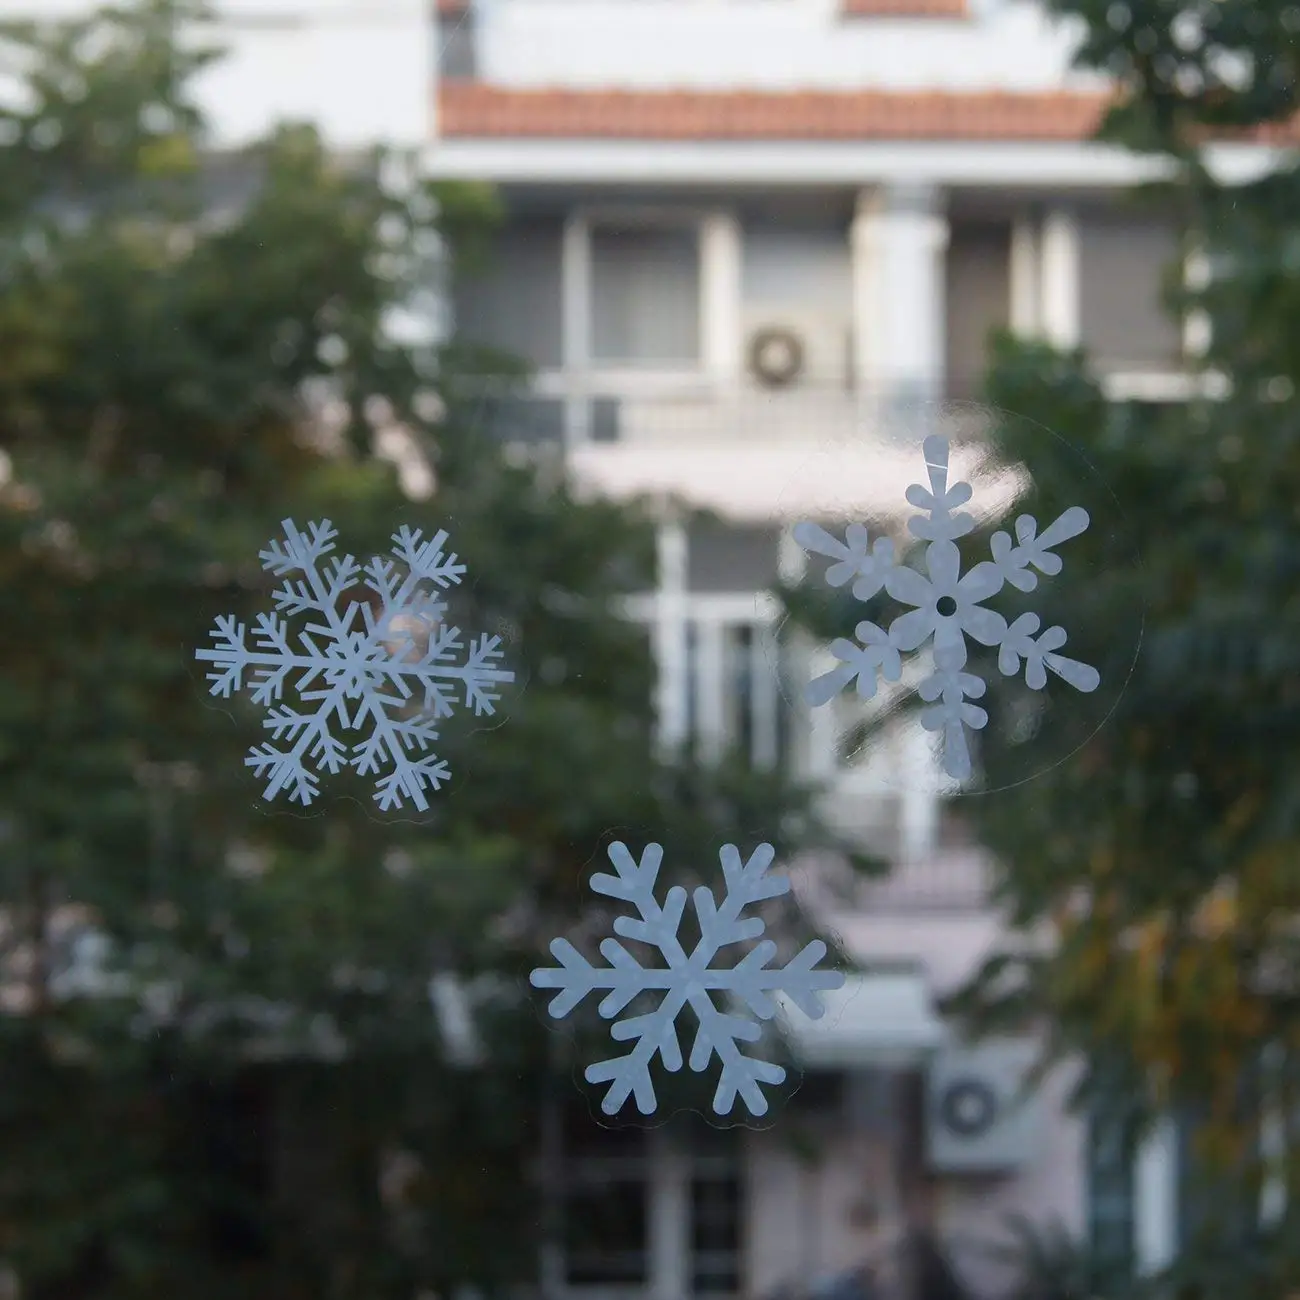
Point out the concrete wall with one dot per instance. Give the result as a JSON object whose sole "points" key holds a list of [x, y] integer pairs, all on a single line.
{"points": [[949, 948], [818, 1194], [361, 69], [799, 274], [1008, 44]]}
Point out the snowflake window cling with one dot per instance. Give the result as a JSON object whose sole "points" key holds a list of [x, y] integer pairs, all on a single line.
{"points": [[947, 606], [688, 978], [357, 670]]}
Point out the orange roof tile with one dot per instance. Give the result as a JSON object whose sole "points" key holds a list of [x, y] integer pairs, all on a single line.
{"points": [[475, 109], [469, 109]]}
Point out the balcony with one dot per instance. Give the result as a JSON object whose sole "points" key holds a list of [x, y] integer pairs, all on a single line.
{"points": [[738, 451], [674, 411]]}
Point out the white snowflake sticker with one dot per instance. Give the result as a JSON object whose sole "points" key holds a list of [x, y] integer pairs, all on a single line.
{"points": [[946, 606], [357, 664], [688, 978]]}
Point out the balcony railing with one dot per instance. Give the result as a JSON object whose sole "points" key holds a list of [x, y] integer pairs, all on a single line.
{"points": [[677, 411], [692, 410]]}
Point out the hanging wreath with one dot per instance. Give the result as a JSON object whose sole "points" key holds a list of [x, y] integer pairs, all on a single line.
{"points": [[776, 356]]}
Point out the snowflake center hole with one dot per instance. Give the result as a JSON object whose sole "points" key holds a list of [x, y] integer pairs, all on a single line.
{"points": [[945, 606]]}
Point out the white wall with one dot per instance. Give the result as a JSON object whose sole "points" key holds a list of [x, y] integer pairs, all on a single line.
{"points": [[769, 44], [800, 276], [362, 70], [1052, 1186], [808, 1210]]}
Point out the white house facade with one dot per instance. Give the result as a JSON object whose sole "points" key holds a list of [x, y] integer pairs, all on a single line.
{"points": [[746, 238]]}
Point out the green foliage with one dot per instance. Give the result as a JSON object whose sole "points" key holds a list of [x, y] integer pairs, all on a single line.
{"points": [[174, 328], [1163, 853], [1049, 1264]]}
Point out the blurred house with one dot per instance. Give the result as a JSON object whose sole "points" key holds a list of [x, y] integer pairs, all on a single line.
{"points": [[739, 232], [749, 242]]}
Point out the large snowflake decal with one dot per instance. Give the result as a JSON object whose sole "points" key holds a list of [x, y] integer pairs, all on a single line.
{"points": [[688, 978], [947, 606], [357, 667]]}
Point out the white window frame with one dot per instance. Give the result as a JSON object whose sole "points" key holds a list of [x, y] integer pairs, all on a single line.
{"points": [[719, 242], [668, 1169], [713, 614], [1046, 265], [644, 1169]]}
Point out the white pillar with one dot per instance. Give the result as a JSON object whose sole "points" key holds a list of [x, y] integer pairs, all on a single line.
{"points": [[670, 634], [720, 271], [792, 564], [863, 258], [898, 239], [1155, 1199], [1273, 1139], [670, 1218], [1196, 324], [1026, 287], [575, 325], [711, 686], [1060, 279], [823, 722], [764, 667], [919, 801]]}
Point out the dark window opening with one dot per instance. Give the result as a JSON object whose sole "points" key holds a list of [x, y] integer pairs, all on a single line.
{"points": [[606, 1233], [606, 1201], [235, 1119], [715, 1235], [1112, 1145]]}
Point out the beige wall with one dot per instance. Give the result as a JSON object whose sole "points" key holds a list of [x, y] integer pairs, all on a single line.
{"points": [[820, 1203], [817, 1200]]}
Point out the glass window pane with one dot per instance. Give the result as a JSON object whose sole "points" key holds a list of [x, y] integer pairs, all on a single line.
{"points": [[645, 295], [1123, 324], [512, 302], [1111, 1152], [585, 1139], [605, 1233]]}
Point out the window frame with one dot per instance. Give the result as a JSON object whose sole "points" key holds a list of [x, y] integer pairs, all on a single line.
{"points": [[670, 1168], [1111, 1124], [578, 366]]}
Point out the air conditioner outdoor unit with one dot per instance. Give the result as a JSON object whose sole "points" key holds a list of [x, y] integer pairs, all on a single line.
{"points": [[777, 355], [820, 335], [978, 1119]]}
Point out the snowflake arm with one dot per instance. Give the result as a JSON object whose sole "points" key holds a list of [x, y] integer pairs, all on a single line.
{"points": [[865, 661], [687, 979], [947, 691], [1035, 549], [855, 558], [1039, 656], [939, 523]]}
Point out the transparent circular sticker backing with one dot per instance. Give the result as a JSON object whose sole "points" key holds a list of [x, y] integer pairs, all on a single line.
{"points": [[947, 566], [360, 665], [688, 1001]]}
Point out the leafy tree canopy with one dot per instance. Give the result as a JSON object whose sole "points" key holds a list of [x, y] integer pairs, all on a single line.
{"points": [[1164, 854], [193, 347]]}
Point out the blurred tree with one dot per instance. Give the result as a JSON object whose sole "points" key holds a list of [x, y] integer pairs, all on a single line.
{"points": [[222, 1072], [1164, 853]]}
